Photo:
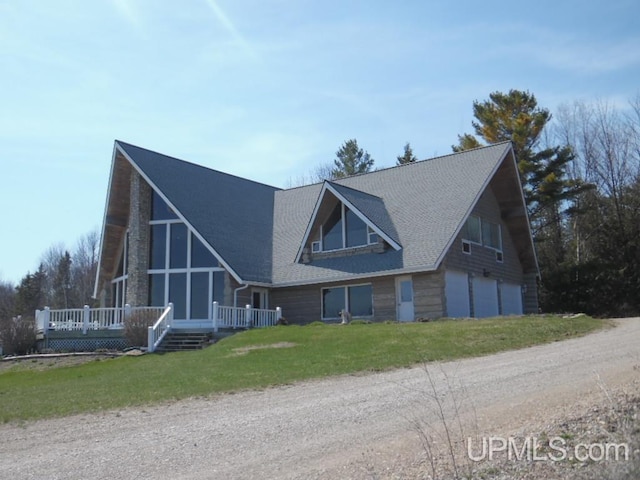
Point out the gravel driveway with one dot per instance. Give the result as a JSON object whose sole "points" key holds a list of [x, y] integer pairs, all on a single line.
{"points": [[357, 426]]}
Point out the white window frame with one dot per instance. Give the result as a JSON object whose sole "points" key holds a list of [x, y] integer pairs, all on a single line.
{"points": [[499, 247], [483, 225], [120, 300], [188, 270], [480, 226], [370, 232]]}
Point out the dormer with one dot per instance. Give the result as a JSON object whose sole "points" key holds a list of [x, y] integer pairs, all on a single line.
{"points": [[345, 222]]}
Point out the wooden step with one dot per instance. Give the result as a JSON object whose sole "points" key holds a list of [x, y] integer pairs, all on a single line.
{"points": [[177, 341]]}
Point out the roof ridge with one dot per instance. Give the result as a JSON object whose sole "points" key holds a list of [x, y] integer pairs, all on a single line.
{"points": [[340, 185], [392, 167], [122, 143]]}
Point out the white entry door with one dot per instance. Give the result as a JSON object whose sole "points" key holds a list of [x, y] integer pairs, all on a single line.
{"points": [[404, 297], [485, 297]]}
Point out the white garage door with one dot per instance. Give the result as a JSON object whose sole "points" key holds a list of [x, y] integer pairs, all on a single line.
{"points": [[511, 296], [485, 297], [456, 291]]}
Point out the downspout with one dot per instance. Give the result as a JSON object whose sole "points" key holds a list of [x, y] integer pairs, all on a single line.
{"points": [[235, 294]]}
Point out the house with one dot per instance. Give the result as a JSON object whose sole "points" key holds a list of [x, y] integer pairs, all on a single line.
{"points": [[446, 237]]}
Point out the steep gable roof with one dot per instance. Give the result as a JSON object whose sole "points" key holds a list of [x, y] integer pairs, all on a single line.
{"points": [[256, 231], [369, 208], [372, 207], [428, 203], [231, 215]]}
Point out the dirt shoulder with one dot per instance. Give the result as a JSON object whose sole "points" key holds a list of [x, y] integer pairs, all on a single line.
{"points": [[364, 426]]}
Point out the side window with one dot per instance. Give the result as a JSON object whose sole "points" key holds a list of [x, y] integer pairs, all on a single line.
{"points": [[356, 299], [472, 230]]}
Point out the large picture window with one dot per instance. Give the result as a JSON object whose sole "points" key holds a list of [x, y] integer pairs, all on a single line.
{"points": [[344, 229], [356, 299], [182, 269]]}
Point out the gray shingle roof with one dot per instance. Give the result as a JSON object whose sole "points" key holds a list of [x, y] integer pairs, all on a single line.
{"points": [[234, 215], [371, 206], [427, 201], [258, 229]]}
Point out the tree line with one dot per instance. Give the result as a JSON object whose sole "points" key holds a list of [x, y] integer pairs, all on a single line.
{"points": [[64, 279], [581, 180]]}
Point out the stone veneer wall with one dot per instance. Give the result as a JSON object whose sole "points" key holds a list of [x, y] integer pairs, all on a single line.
{"points": [[139, 241]]}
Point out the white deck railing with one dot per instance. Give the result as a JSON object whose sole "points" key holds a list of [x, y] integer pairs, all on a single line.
{"points": [[244, 317], [85, 319], [159, 329]]}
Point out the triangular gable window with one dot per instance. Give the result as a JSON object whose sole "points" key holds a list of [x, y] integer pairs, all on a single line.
{"points": [[343, 229], [340, 221]]}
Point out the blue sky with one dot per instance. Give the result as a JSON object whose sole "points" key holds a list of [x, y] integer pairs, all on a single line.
{"points": [[268, 90]]}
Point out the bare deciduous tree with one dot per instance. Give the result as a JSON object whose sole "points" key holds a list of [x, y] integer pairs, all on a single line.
{"points": [[83, 269]]}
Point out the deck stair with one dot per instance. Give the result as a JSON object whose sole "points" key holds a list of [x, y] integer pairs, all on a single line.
{"points": [[179, 341]]}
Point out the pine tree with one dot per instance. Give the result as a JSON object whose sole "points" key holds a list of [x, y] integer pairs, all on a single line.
{"points": [[407, 156], [30, 292], [516, 117], [351, 160]]}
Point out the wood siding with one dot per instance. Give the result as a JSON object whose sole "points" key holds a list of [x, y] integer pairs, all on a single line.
{"points": [[302, 305], [428, 295], [482, 259], [530, 303]]}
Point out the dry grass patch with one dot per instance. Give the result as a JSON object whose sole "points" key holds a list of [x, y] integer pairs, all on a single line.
{"points": [[245, 350]]}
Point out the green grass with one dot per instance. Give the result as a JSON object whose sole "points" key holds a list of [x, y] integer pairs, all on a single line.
{"points": [[238, 362]]}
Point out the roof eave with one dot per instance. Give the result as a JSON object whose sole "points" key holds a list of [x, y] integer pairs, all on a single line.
{"points": [[104, 223], [360, 276]]}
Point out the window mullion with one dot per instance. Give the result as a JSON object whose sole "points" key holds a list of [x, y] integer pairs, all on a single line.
{"points": [[188, 295], [344, 227], [189, 240], [210, 288]]}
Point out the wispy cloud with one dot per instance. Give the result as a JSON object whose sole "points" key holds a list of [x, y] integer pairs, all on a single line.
{"points": [[226, 22]]}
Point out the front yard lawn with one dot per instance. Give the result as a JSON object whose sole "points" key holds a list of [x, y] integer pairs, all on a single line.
{"points": [[265, 357]]}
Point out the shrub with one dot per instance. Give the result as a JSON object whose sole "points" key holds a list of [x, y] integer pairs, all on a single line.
{"points": [[18, 335], [136, 327]]}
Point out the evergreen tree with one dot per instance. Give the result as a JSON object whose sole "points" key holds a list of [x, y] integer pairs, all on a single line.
{"points": [[466, 142], [62, 282], [516, 117], [351, 160], [407, 156], [30, 292], [7, 300]]}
